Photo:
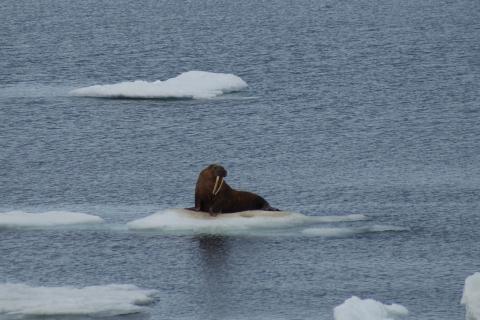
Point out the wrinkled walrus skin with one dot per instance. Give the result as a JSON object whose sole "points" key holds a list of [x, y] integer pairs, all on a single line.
{"points": [[214, 195]]}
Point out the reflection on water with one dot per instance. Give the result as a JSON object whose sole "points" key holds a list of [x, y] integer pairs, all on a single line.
{"points": [[213, 257]]}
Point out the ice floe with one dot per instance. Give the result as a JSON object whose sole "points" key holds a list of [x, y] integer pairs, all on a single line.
{"points": [[108, 300], [202, 222], [471, 297], [188, 85], [355, 308], [15, 219]]}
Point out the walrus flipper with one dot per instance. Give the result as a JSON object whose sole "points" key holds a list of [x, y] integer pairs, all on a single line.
{"points": [[197, 199], [267, 207], [216, 208]]}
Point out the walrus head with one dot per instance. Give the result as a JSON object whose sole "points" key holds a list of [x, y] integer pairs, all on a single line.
{"points": [[216, 172]]}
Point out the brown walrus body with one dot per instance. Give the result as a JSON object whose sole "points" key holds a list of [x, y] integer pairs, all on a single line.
{"points": [[214, 195]]}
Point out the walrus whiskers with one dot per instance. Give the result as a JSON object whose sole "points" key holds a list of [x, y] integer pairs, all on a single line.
{"points": [[215, 186], [219, 187]]}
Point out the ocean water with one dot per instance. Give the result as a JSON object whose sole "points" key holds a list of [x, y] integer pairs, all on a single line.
{"points": [[367, 108]]}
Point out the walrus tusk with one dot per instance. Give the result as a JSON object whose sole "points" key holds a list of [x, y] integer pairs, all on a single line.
{"points": [[219, 187], [215, 186]]}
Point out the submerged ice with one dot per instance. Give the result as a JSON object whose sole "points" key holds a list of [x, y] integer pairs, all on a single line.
{"points": [[355, 308], [108, 300], [188, 85], [471, 297], [46, 219], [350, 231]]}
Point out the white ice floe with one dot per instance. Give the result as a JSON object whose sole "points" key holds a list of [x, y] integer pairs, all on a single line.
{"points": [[202, 222], [349, 231], [108, 300], [45, 219], [471, 297], [368, 309], [188, 85]]}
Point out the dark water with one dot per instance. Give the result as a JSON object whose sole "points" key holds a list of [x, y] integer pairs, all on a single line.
{"points": [[368, 107]]}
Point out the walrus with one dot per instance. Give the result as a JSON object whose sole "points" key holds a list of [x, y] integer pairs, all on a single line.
{"points": [[214, 195]]}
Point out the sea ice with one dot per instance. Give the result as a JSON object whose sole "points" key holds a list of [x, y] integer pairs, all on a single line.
{"points": [[188, 85], [45, 219], [108, 300], [355, 308], [471, 297], [202, 222]]}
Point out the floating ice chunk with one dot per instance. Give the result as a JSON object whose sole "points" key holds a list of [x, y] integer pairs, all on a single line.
{"points": [[185, 220], [109, 300], [46, 219], [368, 309], [471, 297], [346, 231], [202, 222], [188, 85]]}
